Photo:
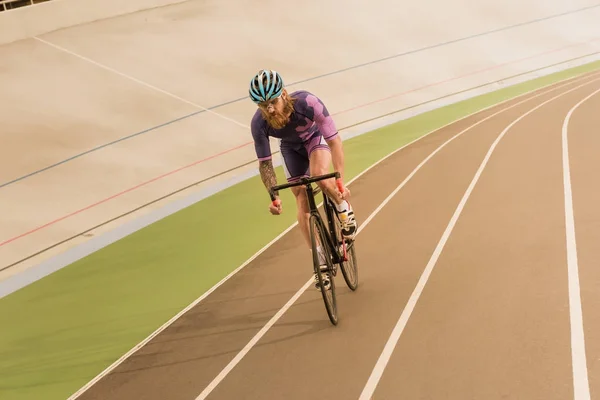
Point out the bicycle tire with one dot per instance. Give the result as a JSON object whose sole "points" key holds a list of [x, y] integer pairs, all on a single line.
{"points": [[318, 235], [349, 268]]}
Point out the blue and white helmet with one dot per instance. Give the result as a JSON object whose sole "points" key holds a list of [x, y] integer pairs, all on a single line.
{"points": [[266, 85]]}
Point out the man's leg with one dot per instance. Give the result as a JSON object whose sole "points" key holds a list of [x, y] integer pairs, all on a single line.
{"points": [[303, 217], [303, 212], [296, 166], [320, 161]]}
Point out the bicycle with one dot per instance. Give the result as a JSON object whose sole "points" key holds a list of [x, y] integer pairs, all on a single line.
{"points": [[336, 250]]}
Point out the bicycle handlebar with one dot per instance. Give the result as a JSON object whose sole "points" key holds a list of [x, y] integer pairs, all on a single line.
{"points": [[305, 181]]}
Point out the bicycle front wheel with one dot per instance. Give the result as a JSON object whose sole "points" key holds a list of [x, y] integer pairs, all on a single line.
{"points": [[319, 243]]}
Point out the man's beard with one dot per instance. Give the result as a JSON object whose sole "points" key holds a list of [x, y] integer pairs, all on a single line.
{"points": [[276, 120]]}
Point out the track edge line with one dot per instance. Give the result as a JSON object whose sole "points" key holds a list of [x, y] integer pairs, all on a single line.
{"points": [[390, 345], [581, 388]]}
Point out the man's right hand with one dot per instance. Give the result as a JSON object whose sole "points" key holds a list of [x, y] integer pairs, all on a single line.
{"points": [[275, 207]]}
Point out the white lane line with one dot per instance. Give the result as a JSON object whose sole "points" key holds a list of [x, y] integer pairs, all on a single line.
{"points": [[225, 371], [133, 350], [412, 301], [114, 71], [580, 374]]}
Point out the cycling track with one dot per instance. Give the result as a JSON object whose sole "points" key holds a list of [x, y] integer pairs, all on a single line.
{"points": [[472, 250]]}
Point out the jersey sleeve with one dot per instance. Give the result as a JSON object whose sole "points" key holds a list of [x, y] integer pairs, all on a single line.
{"points": [[261, 139], [321, 116]]}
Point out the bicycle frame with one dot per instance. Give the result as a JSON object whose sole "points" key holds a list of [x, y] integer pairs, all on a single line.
{"points": [[338, 257]]}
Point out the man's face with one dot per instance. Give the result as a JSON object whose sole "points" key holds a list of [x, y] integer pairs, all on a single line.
{"points": [[274, 111]]}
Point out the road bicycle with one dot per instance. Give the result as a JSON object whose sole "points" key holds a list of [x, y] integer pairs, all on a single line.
{"points": [[336, 249]]}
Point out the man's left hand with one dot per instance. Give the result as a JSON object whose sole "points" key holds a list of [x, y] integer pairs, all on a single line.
{"points": [[343, 189]]}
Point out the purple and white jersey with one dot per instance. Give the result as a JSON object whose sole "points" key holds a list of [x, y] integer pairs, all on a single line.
{"points": [[309, 120]]}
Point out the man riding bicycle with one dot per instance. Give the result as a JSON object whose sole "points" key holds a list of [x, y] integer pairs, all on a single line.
{"points": [[309, 143]]}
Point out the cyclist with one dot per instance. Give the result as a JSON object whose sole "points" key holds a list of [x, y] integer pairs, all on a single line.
{"points": [[309, 143]]}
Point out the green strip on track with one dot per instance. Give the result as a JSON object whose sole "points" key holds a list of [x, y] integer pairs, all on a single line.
{"points": [[59, 332]]}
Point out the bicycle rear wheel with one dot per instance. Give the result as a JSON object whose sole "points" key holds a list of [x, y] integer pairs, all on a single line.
{"points": [[350, 267], [318, 239]]}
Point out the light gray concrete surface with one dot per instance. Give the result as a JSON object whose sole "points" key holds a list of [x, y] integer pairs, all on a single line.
{"points": [[21, 23], [79, 88]]}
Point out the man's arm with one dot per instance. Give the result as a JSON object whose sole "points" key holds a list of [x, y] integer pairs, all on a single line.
{"points": [[337, 154], [263, 153], [317, 110], [267, 174]]}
